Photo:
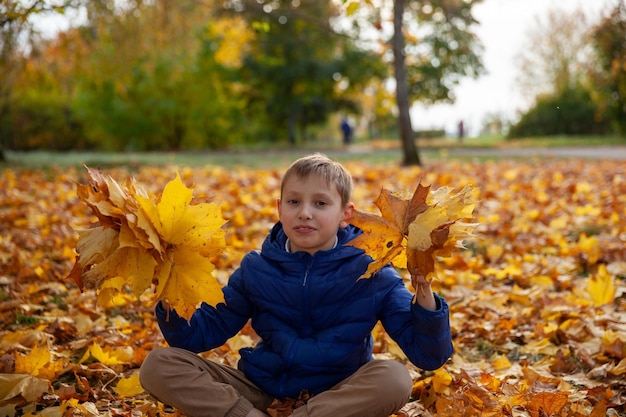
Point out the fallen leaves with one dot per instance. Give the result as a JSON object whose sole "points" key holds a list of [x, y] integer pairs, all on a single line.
{"points": [[537, 301]]}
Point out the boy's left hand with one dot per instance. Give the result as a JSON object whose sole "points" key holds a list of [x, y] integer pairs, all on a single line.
{"points": [[423, 292]]}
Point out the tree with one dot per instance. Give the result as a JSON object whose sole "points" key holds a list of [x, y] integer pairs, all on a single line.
{"points": [[433, 49], [556, 54], [16, 30], [571, 111], [610, 74], [410, 152], [565, 75], [296, 64], [174, 88]]}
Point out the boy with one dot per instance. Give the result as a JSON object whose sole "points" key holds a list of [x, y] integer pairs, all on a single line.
{"points": [[313, 315]]}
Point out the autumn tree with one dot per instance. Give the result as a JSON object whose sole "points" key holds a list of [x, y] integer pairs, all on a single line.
{"points": [[136, 76], [159, 76], [16, 31], [610, 74]]}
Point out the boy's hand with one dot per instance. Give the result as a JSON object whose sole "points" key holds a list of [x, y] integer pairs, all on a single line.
{"points": [[423, 292]]}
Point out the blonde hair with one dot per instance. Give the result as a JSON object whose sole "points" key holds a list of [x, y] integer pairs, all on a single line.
{"points": [[319, 164]]}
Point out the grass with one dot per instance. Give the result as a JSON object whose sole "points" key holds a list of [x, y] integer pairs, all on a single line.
{"points": [[375, 152]]}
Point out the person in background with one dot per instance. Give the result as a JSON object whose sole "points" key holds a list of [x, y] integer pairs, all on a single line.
{"points": [[346, 129], [312, 313]]}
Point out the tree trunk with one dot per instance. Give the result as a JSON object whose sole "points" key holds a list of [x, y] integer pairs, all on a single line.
{"points": [[410, 151]]}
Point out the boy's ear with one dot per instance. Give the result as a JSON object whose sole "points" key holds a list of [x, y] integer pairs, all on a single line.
{"points": [[347, 215]]}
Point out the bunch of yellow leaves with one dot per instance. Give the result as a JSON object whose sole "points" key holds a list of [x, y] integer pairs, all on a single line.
{"points": [[422, 227], [143, 241]]}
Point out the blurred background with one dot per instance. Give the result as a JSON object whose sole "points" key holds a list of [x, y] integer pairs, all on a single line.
{"points": [[152, 75]]}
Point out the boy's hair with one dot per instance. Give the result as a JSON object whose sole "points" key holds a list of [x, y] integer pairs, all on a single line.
{"points": [[319, 164]]}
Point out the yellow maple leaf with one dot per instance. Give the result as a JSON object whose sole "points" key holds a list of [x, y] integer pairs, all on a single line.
{"points": [[33, 362], [601, 287], [87, 408], [129, 387], [180, 223], [185, 281], [590, 246], [39, 362], [145, 241], [107, 355], [441, 380], [501, 362]]}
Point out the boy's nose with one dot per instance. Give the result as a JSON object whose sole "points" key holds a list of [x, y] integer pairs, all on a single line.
{"points": [[305, 213]]}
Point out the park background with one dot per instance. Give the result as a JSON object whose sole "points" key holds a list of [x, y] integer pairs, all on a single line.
{"points": [[144, 76], [150, 92]]}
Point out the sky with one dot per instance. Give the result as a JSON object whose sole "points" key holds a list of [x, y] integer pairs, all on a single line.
{"points": [[503, 29]]}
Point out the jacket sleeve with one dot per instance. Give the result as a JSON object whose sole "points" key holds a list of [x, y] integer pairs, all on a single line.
{"points": [[209, 327], [423, 335]]}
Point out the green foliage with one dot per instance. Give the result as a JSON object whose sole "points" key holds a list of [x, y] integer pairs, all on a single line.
{"points": [[40, 121], [25, 319], [145, 115], [294, 67], [177, 99], [443, 50], [430, 133], [609, 40], [149, 76], [570, 112]]}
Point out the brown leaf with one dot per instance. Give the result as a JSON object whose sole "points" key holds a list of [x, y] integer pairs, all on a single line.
{"points": [[547, 404]]}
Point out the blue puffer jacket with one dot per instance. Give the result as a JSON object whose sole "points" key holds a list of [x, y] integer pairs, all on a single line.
{"points": [[314, 317]]}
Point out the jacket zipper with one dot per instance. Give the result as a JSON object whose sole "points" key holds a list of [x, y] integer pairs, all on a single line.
{"points": [[292, 349]]}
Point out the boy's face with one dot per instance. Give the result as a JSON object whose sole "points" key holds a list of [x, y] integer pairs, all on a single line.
{"points": [[311, 212]]}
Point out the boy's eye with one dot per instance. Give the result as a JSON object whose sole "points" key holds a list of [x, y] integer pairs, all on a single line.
{"points": [[292, 202], [320, 203]]}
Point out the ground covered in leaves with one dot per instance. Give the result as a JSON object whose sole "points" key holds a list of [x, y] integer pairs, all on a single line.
{"points": [[537, 300]]}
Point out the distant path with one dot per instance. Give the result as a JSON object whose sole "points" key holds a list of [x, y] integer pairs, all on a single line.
{"points": [[579, 152], [600, 152], [283, 157]]}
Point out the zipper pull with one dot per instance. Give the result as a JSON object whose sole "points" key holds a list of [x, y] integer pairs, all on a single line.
{"points": [[306, 275]]}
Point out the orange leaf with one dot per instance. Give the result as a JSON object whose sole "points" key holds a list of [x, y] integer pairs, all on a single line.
{"points": [[430, 230], [380, 239], [547, 404]]}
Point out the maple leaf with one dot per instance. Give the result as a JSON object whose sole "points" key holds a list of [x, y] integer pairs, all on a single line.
{"points": [[27, 386], [380, 239], [146, 241], [424, 226], [601, 287], [129, 387], [33, 362], [547, 403], [107, 356]]}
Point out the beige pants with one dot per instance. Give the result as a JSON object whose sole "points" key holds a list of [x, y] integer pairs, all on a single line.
{"points": [[201, 388]]}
